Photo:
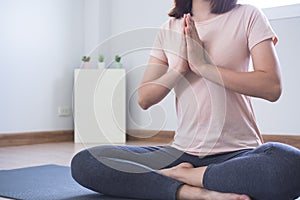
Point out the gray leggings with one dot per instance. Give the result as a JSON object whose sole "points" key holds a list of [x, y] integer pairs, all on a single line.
{"points": [[269, 172]]}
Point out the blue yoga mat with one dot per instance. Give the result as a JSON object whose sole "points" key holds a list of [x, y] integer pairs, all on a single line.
{"points": [[49, 182]]}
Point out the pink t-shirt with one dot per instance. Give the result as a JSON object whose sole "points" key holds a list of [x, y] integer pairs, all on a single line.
{"points": [[212, 119]]}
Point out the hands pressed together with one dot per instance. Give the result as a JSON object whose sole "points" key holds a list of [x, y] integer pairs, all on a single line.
{"points": [[192, 50]]}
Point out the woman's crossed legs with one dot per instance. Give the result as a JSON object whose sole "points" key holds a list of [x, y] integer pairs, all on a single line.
{"points": [[132, 172]]}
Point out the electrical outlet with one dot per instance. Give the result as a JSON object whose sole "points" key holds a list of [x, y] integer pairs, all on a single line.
{"points": [[64, 111]]}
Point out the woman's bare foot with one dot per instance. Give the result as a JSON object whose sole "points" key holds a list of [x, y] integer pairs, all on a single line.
{"points": [[193, 190], [186, 173], [173, 172], [227, 196], [187, 192]]}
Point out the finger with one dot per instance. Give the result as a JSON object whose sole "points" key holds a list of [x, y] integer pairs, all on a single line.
{"points": [[186, 16], [191, 22], [183, 47], [184, 23], [190, 18], [186, 20], [189, 30], [191, 25], [188, 23], [186, 30], [183, 38]]}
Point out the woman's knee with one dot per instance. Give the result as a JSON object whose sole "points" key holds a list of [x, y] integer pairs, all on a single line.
{"points": [[276, 168], [282, 157], [283, 153], [283, 163], [279, 149], [79, 165], [84, 161], [87, 159]]}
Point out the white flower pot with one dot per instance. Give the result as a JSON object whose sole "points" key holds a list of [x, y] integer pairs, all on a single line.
{"points": [[118, 65], [101, 65], [86, 65]]}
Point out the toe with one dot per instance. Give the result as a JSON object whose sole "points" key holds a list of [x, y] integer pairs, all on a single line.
{"points": [[186, 165], [244, 197]]}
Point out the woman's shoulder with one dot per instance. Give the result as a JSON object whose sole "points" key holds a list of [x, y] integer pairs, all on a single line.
{"points": [[247, 10], [172, 24], [170, 31]]}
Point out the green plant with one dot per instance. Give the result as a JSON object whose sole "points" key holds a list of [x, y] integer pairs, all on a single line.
{"points": [[101, 58], [118, 58], [86, 59]]}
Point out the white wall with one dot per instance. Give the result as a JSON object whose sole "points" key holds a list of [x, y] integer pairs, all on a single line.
{"points": [[283, 116], [41, 42], [97, 23], [127, 16]]}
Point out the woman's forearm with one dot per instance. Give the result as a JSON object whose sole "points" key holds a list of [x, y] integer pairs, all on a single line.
{"points": [[258, 83], [152, 92]]}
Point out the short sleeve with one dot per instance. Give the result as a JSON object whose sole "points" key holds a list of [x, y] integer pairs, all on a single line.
{"points": [[158, 47], [259, 28]]}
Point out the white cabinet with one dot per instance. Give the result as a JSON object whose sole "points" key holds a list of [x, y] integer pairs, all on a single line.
{"points": [[100, 106]]}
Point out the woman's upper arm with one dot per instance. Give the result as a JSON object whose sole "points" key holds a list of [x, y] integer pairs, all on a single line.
{"points": [[264, 58], [155, 69]]}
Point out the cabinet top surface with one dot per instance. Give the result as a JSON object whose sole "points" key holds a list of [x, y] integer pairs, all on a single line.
{"points": [[93, 70]]}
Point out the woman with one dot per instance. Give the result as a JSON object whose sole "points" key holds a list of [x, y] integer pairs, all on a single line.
{"points": [[203, 52]]}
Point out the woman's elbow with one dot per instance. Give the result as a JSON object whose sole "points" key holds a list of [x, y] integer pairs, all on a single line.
{"points": [[275, 93], [143, 104], [142, 101]]}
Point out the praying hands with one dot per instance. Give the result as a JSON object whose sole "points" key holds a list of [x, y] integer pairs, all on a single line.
{"points": [[194, 46]]}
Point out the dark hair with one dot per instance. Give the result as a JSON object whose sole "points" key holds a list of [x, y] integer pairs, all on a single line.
{"points": [[217, 7]]}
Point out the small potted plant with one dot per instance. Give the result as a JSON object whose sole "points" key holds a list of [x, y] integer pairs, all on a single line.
{"points": [[101, 63], [86, 62], [118, 61]]}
